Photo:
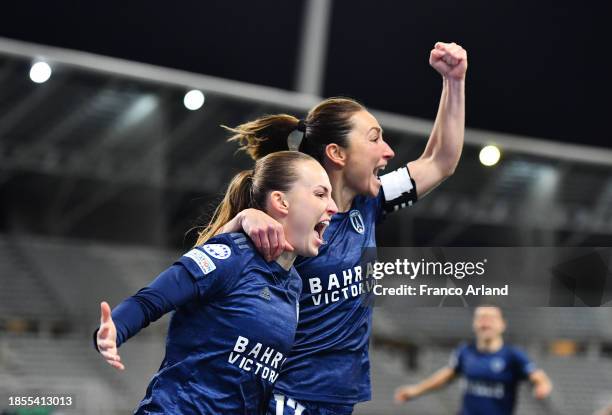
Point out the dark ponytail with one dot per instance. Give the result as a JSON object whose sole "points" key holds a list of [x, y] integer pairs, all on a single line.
{"points": [[264, 135], [328, 122]]}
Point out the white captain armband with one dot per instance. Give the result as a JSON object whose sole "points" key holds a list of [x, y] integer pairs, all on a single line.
{"points": [[399, 190]]}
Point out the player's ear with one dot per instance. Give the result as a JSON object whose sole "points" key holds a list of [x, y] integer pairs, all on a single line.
{"points": [[336, 154], [278, 203]]}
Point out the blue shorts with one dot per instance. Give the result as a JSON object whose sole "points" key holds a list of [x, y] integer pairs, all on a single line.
{"points": [[284, 405]]}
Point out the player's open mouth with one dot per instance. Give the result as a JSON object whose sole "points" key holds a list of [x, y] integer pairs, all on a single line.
{"points": [[377, 171], [319, 229]]}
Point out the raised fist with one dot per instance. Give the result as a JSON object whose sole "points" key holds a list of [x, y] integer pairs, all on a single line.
{"points": [[450, 60]]}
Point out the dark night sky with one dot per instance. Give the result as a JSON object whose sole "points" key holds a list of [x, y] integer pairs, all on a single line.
{"points": [[536, 68]]}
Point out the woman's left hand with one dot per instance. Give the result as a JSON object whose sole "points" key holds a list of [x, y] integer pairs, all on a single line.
{"points": [[450, 60]]}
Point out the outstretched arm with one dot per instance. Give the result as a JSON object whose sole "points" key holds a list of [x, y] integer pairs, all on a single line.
{"points": [[445, 143], [169, 290], [542, 386], [435, 381]]}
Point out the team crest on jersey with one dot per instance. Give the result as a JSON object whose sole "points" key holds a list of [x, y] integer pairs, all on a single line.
{"points": [[219, 251], [498, 365], [357, 221]]}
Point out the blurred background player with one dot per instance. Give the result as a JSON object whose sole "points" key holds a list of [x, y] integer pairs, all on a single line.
{"points": [[492, 370], [235, 314]]}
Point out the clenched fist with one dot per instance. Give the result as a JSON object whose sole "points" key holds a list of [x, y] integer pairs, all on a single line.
{"points": [[450, 60]]}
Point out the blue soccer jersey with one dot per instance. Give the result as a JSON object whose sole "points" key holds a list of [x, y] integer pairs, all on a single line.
{"points": [[234, 325], [491, 379], [329, 361]]}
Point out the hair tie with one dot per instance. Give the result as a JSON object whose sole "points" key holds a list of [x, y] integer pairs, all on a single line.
{"points": [[295, 138]]}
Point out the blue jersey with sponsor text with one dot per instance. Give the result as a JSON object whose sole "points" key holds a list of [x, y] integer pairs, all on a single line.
{"points": [[329, 360], [491, 379], [228, 340]]}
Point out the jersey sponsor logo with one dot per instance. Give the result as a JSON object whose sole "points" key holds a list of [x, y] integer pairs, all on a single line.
{"points": [[347, 284], [483, 389], [498, 365], [357, 221], [264, 362], [201, 260], [219, 251]]}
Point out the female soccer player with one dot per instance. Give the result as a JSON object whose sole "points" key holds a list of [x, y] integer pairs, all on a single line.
{"points": [[492, 369], [236, 314], [328, 369]]}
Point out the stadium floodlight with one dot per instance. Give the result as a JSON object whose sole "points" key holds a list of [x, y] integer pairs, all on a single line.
{"points": [[489, 155], [40, 72], [193, 100]]}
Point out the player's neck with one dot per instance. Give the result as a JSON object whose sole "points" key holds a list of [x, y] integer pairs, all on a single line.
{"points": [[343, 195], [286, 260], [489, 345]]}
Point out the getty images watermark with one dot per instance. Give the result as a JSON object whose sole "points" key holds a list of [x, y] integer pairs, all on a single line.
{"points": [[466, 276], [407, 269]]}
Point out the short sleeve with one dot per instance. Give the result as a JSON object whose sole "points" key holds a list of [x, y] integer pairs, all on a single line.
{"points": [[455, 361], [524, 365], [213, 266]]}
